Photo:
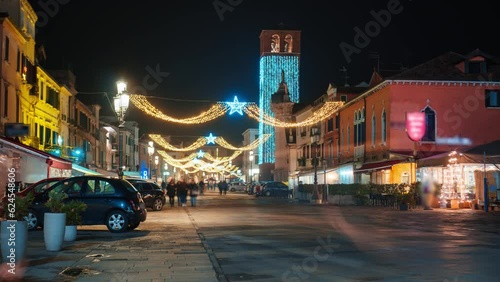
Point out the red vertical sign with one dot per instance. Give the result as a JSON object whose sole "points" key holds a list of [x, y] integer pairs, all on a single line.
{"points": [[415, 125]]}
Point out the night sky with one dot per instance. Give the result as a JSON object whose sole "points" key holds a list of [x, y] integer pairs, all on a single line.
{"points": [[212, 58]]}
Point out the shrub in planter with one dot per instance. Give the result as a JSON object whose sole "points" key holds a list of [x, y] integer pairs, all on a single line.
{"points": [[54, 222], [73, 211]]}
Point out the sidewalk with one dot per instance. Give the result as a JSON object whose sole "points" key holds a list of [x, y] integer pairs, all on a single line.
{"points": [[160, 250]]}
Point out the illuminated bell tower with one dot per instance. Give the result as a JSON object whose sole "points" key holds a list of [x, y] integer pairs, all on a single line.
{"points": [[282, 109], [279, 52]]}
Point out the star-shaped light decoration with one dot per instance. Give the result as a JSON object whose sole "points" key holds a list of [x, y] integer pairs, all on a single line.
{"points": [[211, 139], [200, 154], [236, 106]]}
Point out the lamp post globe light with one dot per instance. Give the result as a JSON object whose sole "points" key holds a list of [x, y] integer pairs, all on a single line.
{"points": [[121, 103], [151, 151]]}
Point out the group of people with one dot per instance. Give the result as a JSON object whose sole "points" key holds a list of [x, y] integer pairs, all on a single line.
{"points": [[181, 189]]}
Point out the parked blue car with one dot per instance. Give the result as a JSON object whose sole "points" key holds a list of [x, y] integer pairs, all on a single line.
{"points": [[111, 202]]}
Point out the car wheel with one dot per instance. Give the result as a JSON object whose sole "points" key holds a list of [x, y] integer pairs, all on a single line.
{"points": [[133, 226], [117, 221], [268, 193], [32, 221], [232, 190], [157, 205]]}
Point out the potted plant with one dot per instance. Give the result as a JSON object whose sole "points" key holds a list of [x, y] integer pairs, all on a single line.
{"points": [[14, 230], [73, 210], [54, 222]]}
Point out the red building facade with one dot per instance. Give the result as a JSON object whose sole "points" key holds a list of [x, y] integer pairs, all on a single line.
{"points": [[457, 93]]}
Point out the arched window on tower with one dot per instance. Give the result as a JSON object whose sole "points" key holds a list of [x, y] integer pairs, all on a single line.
{"points": [[275, 43], [288, 43], [430, 124]]}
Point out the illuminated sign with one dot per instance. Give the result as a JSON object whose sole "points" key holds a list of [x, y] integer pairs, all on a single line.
{"points": [[415, 125]]}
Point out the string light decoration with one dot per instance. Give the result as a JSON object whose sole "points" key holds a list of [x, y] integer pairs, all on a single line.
{"points": [[211, 139], [169, 147], [322, 113], [202, 141], [192, 161], [453, 183], [223, 159], [236, 106], [271, 67], [223, 143], [142, 103], [251, 109]]}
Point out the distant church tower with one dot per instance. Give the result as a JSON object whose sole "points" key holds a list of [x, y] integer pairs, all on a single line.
{"points": [[282, 108], [279, 51]]}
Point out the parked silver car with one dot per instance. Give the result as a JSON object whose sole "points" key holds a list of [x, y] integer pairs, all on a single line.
{"points": [[237, 186]]}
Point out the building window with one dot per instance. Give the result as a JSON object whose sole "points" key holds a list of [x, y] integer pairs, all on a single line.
{"points": [[430, 125], [348, 137], [18, 61], [492, 99], [374, 130], [405, 178], [42, 131], [337, 121], [330, 125], [7, 45], [384, 127], [343, 98], [42, 90]]}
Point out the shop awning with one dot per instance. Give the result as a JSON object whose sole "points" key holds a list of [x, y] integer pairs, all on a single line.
{"points": [[489, 153], [84, 171], [51, 160], [377, 166]]}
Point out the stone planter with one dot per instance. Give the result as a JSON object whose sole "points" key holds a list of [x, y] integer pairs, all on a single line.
{"points": [[14, 237], [53, 230], [70, 232]]}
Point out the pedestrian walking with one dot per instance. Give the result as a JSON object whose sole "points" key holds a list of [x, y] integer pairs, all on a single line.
{"points": [[223, 187], [193, 192], [171, 187], [202, 187], [182, 192]]}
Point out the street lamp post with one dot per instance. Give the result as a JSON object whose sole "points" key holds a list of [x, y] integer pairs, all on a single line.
{"points": [[157, 160], [151, 151], [251, 158], [314, 142], [121, 103]]}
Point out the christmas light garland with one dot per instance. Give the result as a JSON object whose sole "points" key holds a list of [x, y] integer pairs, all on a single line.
{"points": [[251, 109], [322, 113], [142, 103], [202, 141]]}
